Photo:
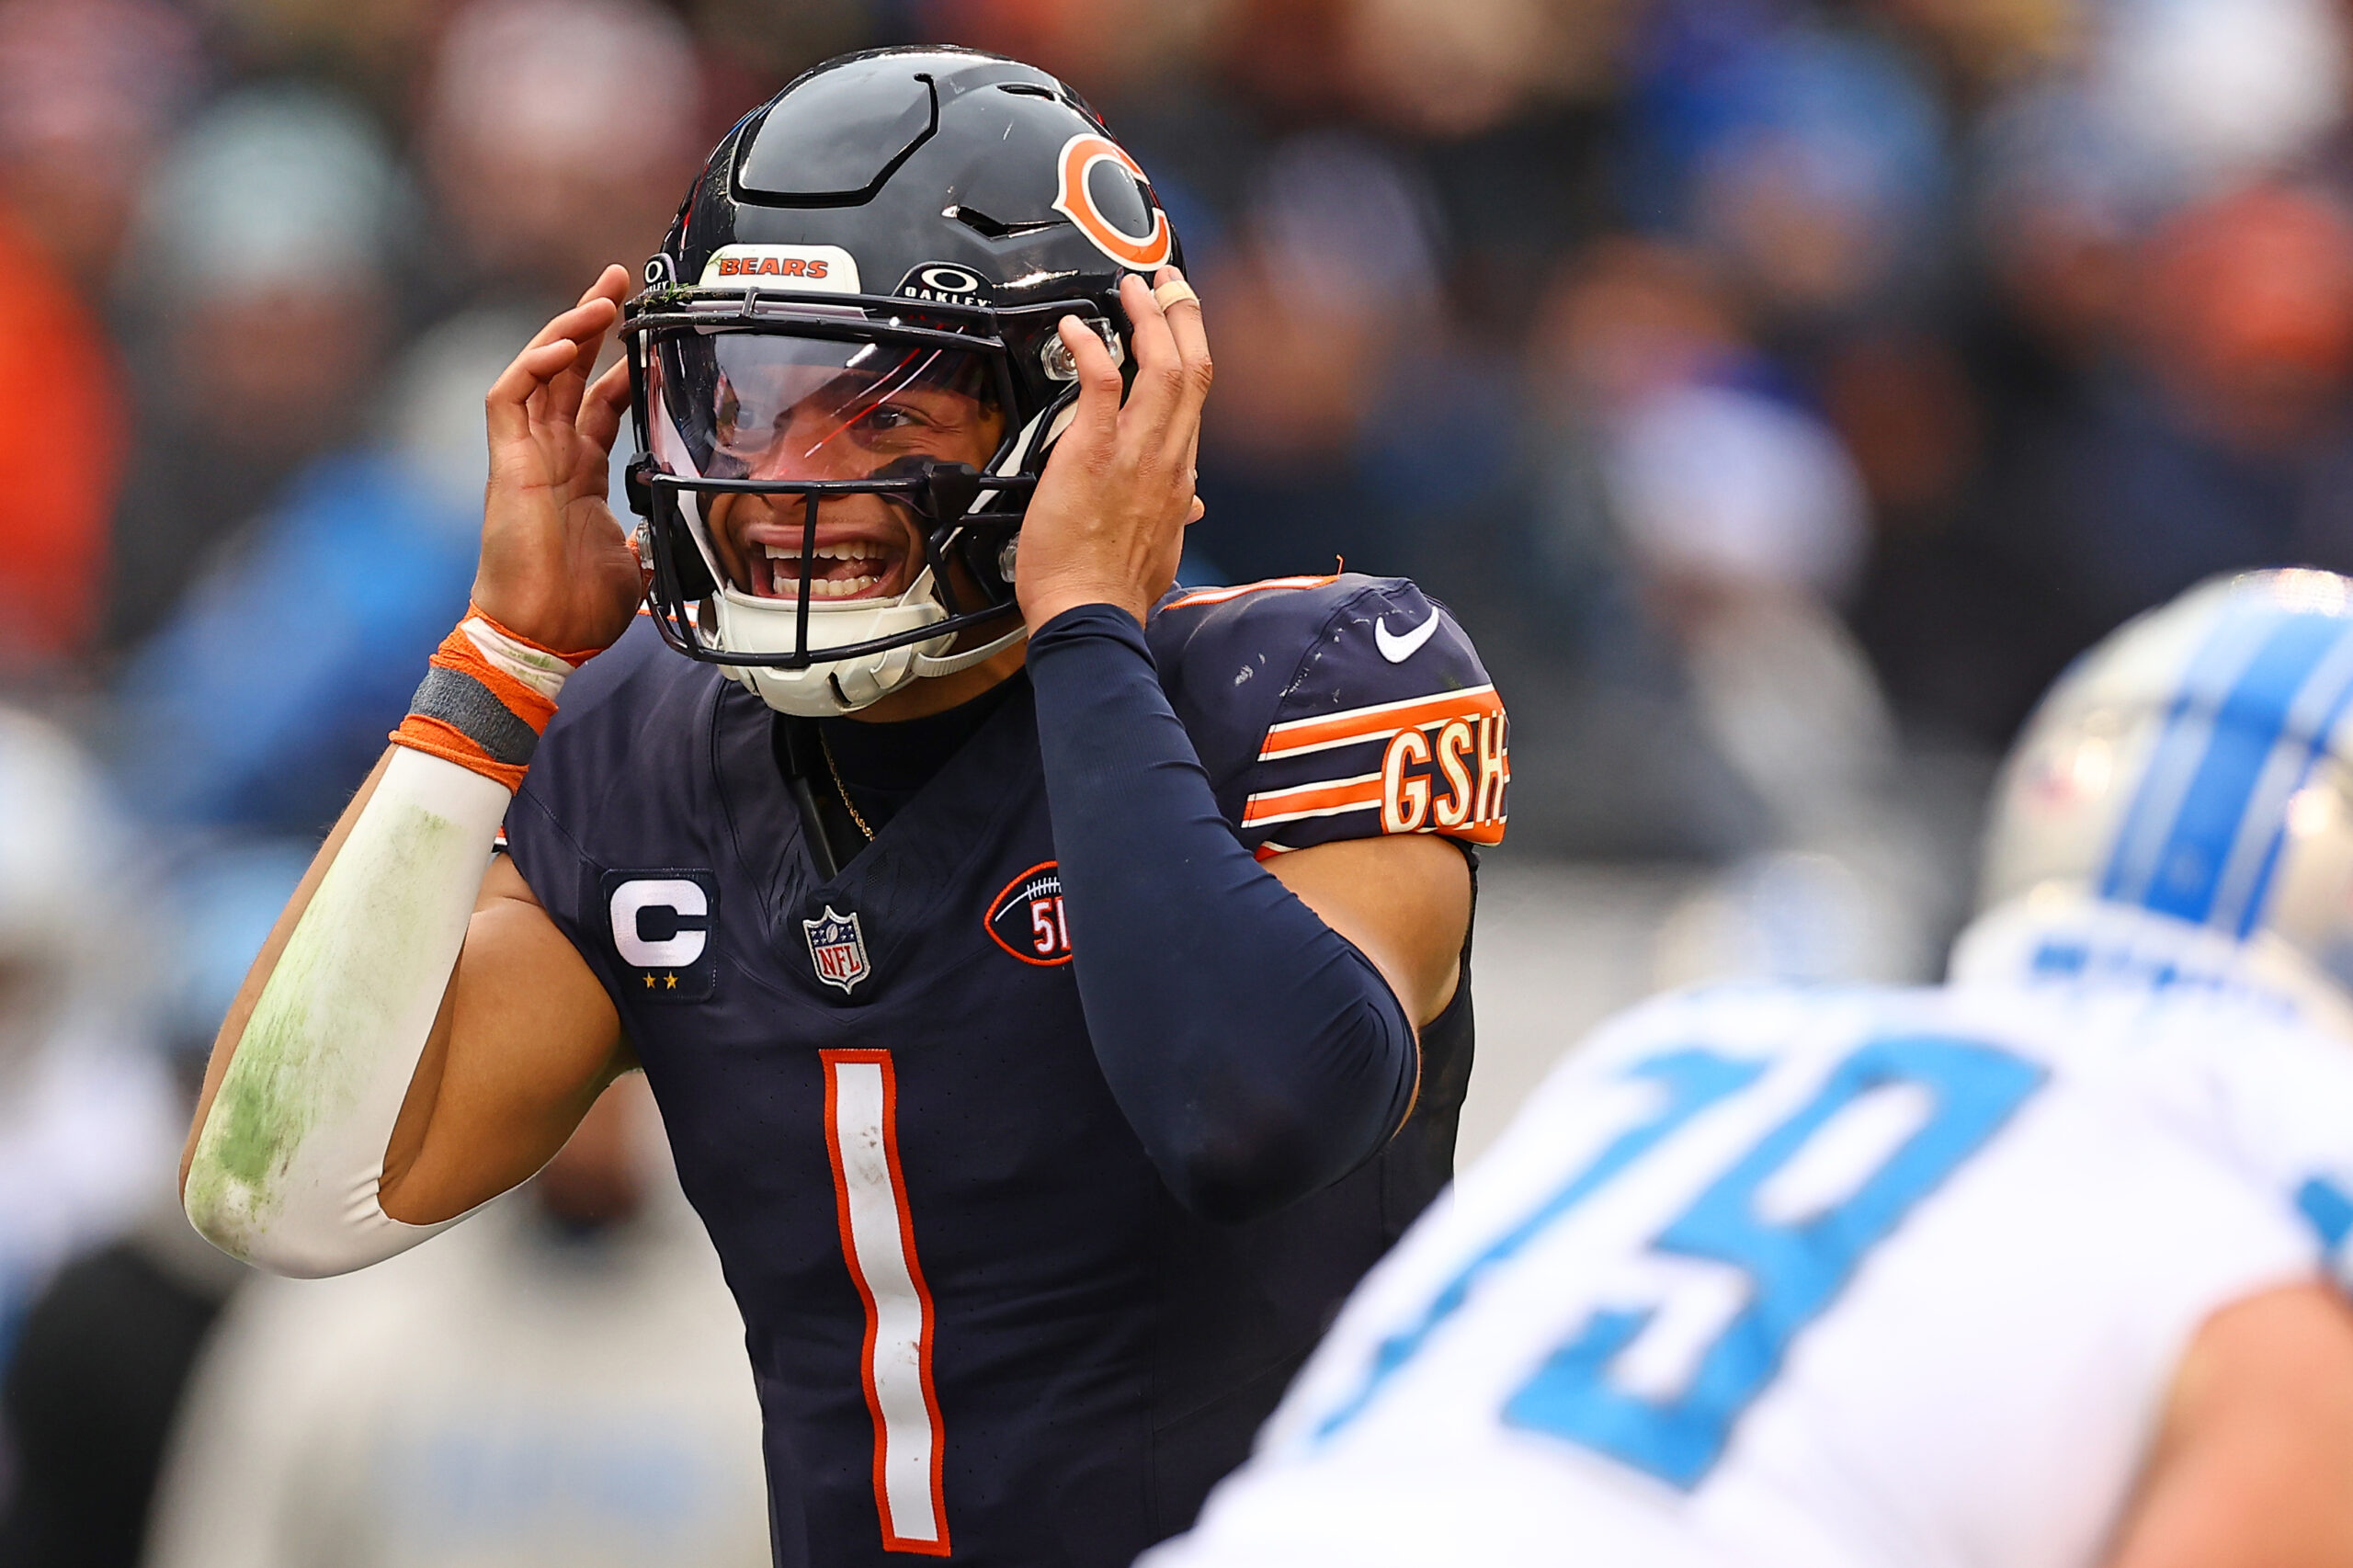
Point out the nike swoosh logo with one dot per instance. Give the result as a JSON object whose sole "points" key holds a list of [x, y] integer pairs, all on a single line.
{"points": [[1396, 649]]}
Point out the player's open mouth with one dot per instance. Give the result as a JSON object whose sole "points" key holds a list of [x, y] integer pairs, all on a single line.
{"points": [[844, 568]]}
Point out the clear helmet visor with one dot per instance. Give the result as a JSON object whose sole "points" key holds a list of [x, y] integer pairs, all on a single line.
{"points": [[771, 405]]}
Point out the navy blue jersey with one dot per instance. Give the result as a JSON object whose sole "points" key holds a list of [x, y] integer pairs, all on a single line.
{"points": [[981, 1326]]}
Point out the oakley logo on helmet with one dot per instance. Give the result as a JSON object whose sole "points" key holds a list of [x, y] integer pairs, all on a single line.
{"points": [[824, 269], [944, 281], [661, 271], [1075, 200]]}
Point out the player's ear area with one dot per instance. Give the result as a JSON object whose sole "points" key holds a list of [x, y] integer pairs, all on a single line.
{"points": [[2252, 1467], [1401, 900]]}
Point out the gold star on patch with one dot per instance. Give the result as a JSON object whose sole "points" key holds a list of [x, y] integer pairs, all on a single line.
{"points": [[673, 983], [648, 983]]}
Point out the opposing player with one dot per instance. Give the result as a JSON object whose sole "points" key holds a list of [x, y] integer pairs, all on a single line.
{"points": [[1050, 1035], [2041, 1267]]}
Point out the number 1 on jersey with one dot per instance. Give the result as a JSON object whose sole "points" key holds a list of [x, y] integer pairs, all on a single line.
{"points": [[879, 1244]]}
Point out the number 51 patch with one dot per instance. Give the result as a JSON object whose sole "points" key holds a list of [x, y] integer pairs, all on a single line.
{"points": [[1027, 918]]}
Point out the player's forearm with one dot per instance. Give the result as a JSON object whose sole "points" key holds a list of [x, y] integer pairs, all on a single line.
{"points": [[287, 1157], [287, 1160], [1256, 1054]]}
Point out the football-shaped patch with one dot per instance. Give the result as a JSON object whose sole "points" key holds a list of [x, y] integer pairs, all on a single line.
{"points": [[1027, 918]]}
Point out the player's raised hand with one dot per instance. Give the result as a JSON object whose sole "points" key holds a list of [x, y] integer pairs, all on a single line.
{"points": [[1107, 522], [556, 566]]}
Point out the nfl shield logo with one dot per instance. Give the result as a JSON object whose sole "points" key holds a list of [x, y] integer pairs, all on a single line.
{"points": [[837, 948]]}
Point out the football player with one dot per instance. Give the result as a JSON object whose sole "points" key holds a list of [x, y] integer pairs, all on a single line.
{"points": [[1054, 987], [2044, 1267]]}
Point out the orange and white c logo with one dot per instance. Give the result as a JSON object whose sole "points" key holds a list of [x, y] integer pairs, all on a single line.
{"points": [[1075, 202]]}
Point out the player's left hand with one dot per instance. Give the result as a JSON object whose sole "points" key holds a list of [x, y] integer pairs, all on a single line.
{"points": [[1107, 522]]}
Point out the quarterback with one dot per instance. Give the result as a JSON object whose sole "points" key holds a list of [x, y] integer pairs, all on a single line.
{"points": [[1053, 985], [2044, 1268]]}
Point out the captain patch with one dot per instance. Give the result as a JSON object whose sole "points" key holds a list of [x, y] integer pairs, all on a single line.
{"points": [[661, 922]]}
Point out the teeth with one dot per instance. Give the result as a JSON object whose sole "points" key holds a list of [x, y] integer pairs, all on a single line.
{"points": [[785, 569], [854, 550]]}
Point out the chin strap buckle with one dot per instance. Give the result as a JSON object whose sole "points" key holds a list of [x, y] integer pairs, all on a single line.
{"points": [[948, 491], [635, 486]]}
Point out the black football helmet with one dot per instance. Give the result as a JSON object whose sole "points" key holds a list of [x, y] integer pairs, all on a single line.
{"points": [[859, 298]]}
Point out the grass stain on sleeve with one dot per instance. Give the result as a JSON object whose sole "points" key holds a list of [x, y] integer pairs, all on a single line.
{"points": [[349, 979]]}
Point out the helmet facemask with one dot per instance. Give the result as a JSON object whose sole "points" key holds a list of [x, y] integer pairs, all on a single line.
{"points": [[831, 485]]}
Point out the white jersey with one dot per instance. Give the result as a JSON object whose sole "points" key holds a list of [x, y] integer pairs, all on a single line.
{"points": [[1832, 1278]]}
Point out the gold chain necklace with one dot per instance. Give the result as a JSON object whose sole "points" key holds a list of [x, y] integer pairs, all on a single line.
{"points": [[841, 788]]}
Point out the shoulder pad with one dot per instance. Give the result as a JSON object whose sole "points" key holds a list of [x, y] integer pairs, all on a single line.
{"points": [[1330, 708]]}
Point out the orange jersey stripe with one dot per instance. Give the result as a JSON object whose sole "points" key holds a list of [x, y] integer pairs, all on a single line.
{"points": [[1312, 800], [1219, 596], [1378, 722]]}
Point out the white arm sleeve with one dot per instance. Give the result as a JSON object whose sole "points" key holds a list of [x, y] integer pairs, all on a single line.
{"points": [[291, 1153]]}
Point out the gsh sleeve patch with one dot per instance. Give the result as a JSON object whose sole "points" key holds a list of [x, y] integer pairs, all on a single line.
{"points": [[663, 925], [1027, 918]]}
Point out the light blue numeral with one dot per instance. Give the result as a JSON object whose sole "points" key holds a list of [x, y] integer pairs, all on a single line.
{"points": [[1796, 1270], [1693, 1079]]}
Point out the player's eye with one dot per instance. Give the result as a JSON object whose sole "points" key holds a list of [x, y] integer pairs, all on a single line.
{"points": [[889, 416]]}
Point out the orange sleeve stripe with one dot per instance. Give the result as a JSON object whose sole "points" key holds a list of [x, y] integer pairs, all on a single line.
{"points": [[1378, 722], [1219, 596], [1312, 800]]}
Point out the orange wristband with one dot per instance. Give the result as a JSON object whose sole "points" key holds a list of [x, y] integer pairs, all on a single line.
{"points": [[474, 711]]}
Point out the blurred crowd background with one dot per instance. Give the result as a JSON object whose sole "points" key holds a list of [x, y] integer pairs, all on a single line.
{"points": [[1783, 393]]}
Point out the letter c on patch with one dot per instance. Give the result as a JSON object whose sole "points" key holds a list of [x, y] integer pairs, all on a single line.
{"points": [[681, 900]]}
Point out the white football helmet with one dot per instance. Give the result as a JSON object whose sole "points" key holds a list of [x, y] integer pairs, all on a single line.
{"points": [[2195, 768]]}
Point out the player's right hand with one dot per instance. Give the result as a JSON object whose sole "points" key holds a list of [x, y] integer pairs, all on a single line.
{"points": [[556, 566]]}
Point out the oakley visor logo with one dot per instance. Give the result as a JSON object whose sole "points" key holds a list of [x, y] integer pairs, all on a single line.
{"points": [[1075, 202]]}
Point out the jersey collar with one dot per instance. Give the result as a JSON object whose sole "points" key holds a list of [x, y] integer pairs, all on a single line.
{"points": [[2059, 938]]}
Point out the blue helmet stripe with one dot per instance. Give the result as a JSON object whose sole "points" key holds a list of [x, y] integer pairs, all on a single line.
{"points": [[2334, 687], [2181, 746], [2244, 734]]}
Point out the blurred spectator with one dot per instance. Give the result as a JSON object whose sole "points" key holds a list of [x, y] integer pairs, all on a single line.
{"points": [[1984, 43], [1112, 50], [558, 134], [265, 702], [2222, 93], [106, 1351], [1811, 162], [559, 1380], [88, 88], [261, 267], [1328, 293], [366, 47], [89, 1123]]}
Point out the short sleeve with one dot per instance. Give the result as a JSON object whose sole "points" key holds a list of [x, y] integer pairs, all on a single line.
{"points": [[1332, 708]]}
